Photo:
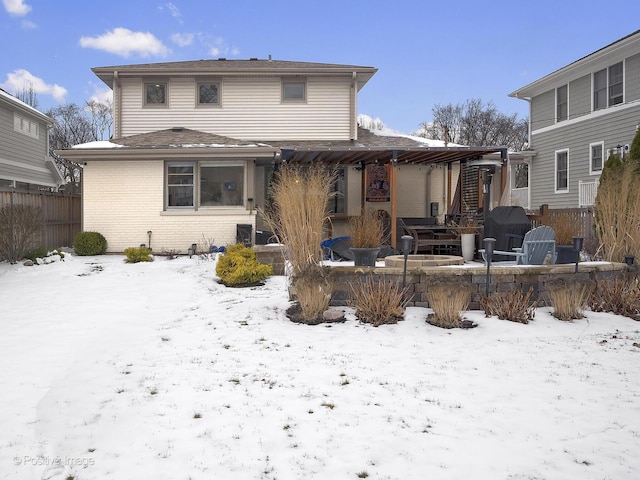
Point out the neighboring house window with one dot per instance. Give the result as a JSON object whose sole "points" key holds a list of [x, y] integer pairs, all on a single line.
{"points": [[615, 84], [337, 200], [520, 175], [25, 126], [209, 93], [294, 91], [180, 185], [562, 171], [221, 185], [596, 157], [562, 98], [155, 94], [608, 86]]}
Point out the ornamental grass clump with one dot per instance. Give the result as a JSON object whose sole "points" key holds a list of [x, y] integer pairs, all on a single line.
{"points": [[313, 287], [238, 267], [566, 226], [620, 296], [448, 298], [568, 298], [378, 301], [366, 230], [513, 306]]}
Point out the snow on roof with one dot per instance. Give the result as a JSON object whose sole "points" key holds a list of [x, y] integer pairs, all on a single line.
{"points": [[377, 127], [97, 144], [16, 101]]}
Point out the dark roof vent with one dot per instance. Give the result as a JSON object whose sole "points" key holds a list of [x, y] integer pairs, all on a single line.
{"points": [[254, 58], [177, 129], [222, 59]]}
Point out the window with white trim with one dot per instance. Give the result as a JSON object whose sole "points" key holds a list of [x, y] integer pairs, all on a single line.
{"points": [[26, 127], [596, 157], [562, 103], [294, 91], [562, 171], [608, 86], [155, 94], [208, 93]]}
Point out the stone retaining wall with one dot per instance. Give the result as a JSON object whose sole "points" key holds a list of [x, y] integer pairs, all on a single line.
{"points": [[502, 278]]}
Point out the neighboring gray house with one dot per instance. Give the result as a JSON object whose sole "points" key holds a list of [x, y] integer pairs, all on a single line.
{"points": [[25, 163], [578, 115]]}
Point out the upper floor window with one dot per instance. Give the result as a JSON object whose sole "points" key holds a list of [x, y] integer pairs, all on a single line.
{"points": [[155, 94], [562, 171], [608, 86], [209, 93], [596, 155], [25, 126], [562, 103], [294, 91]]}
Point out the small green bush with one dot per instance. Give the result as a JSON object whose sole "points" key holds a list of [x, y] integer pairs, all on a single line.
{"points": [[35, 253], [138, 254], [90, 243], [238, 266]]}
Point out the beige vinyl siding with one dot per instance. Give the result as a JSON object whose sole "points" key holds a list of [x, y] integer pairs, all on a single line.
{"points": [[543, 110], [124, 199], [251, 108], [632, 79], [580, 97], [616, 127], [22, 157]]}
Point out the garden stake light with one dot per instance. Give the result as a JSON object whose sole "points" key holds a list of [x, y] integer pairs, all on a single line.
{"points": [[577, 246], [406, 248], [489, 243]]}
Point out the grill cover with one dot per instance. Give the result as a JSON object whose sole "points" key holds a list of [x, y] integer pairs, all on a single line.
{"points": [[508, 226]]}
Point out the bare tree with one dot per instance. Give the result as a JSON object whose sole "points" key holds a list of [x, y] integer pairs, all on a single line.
{"points": [[28, 95], [101, 117], [476, 123]]}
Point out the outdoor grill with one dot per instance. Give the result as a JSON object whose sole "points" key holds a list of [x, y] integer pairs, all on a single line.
{"points": [[508, 226]]}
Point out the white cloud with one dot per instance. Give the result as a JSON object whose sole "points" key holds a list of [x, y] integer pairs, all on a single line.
{"points": [[16, 7], [101, 95], [124, 42], [28, 25], [182, 39], [220, 47], [19, 79], [175, 11]]}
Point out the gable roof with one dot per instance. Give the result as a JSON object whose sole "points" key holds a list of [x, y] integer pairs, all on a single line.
{"points": [[601, 58], [224, 67], [20, 105]]}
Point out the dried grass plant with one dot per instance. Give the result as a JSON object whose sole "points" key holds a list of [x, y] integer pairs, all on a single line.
{"points": [[448, 299], [299, 211], [568, 299], [566, 226], [620, 296], [513, 306], [617, 212], [378, 301], [313, 291], [366, 230]]}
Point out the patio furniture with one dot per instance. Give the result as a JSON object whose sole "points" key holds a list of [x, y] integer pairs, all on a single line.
{"points": [[537, 244]]}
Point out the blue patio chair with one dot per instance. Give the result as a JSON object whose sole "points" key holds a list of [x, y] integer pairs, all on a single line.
{"points": [[536, 245]]}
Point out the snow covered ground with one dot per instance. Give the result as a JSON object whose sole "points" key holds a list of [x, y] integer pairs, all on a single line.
{"points": [[155, 371]]}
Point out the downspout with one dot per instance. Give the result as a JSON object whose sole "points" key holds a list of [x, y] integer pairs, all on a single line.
{"points": [[353, 116], [117, 102]]}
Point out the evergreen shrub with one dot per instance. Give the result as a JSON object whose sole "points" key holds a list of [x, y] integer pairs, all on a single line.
{"points": [[138, 254], [89, 243], [239, 267]]}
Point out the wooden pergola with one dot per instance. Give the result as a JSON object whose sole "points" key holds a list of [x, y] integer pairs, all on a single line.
{"points": [[392, 155]]}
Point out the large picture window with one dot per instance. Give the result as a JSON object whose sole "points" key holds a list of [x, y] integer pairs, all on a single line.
{"points": [[221, 185], [562, 171]]}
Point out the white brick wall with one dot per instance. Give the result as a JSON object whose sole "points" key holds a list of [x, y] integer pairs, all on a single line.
{"points": [[123, 200]]}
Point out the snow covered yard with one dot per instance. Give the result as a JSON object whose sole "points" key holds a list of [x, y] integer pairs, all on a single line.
{"points": [[153, 370]]}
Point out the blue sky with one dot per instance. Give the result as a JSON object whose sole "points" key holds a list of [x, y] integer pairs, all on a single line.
{"points": [[427, 52]]}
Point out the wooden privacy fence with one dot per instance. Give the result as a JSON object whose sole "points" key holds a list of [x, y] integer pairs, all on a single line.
{"points": [[61, 214], [583, 216]]}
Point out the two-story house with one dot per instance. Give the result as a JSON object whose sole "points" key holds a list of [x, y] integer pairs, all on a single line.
{"points": [[578, 115], [25, 163], [196, 143]]}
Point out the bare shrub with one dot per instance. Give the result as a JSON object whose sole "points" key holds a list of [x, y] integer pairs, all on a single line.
{"points": [[513, 306], [366, 230], [620, 296], [20, 228], [568, 299], [378, 301], [313, 288], [448, 298]]}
